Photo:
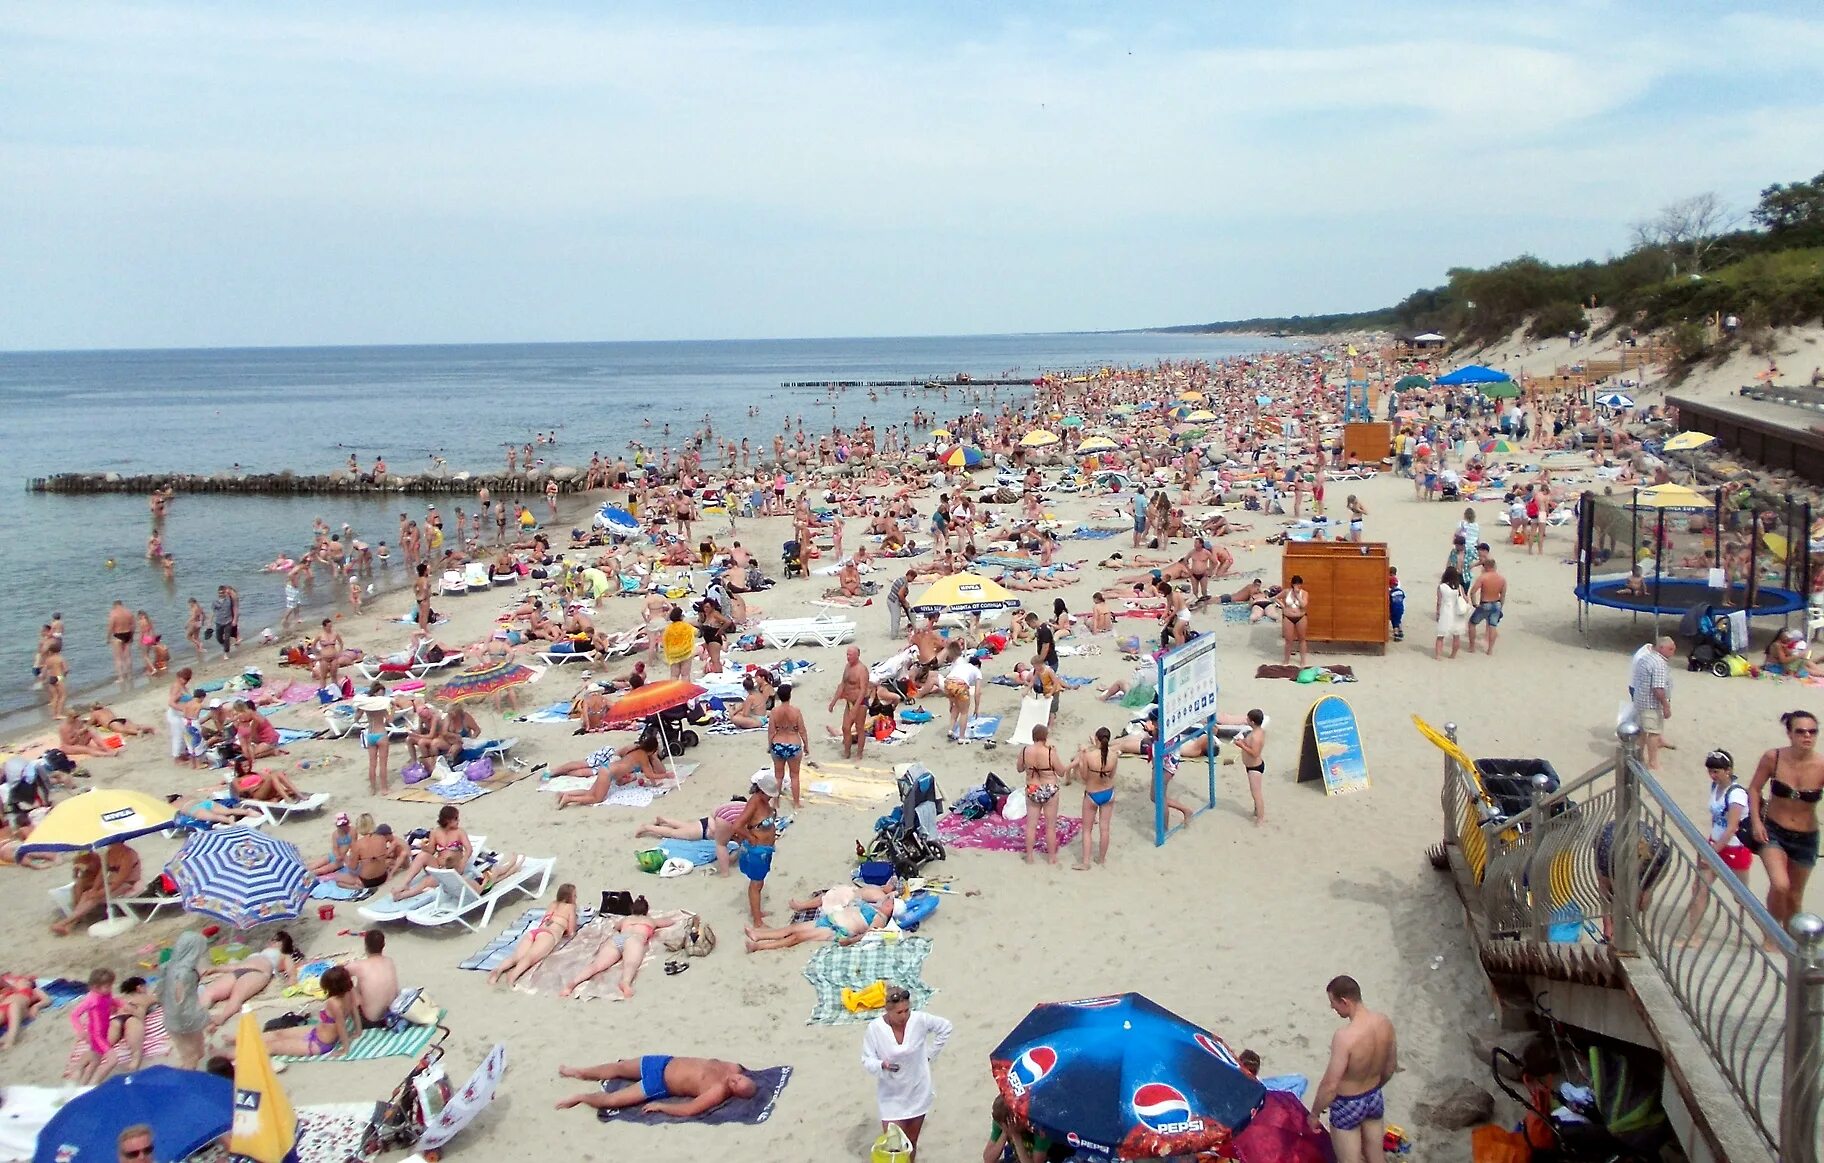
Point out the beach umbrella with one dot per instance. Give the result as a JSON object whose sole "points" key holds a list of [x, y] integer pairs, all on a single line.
{"points": [[241, 876], [186, 1109], [942, 433], [97, 818], [967, 456], [1038, 438], [1672, 497], [1124, 1078], [964, 593], [646, 701], [487, 679], [1193, 394], [1201, 415], [1072, 421], [265, 1126], [615, 519], [1615, 400], [1500, 390], [1123, 409], [1499, 444], [1409, 383], [1097, 444], [1686, 441], [466, 1102]]}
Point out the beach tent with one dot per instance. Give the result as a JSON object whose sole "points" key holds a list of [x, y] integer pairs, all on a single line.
{"points": [[1475, 373], [1428, 337]]}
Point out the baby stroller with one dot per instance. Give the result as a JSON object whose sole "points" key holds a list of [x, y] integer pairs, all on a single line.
{"points": [[398, 1121], [1712, 641], [1606, 1108], [673, 727], [791, 555], [906, 837]]}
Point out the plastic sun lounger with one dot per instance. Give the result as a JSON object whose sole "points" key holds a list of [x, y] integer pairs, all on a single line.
{"points": [[277, 813], [475, 573], [787, 633], [382, 907], [383, 669], [455, 900], [1034, 712], [560, 657], [452, 582], [120, 908]]}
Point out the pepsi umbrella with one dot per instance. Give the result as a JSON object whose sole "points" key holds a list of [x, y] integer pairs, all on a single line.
{"points": [[241, 877], [616, 520], [1123, 1078], [186, 1110]]}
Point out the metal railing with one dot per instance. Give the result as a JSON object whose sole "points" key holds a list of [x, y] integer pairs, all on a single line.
{"points": [[1607, 865]]}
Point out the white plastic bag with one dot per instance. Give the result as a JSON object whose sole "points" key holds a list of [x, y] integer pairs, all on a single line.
{"points": [[1015, 807]]}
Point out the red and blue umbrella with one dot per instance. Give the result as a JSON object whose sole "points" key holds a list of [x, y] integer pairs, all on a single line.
{"points": [[1124, 1078]]}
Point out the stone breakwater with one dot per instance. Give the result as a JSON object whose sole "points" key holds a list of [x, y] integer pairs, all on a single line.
{"points": [[287, 483]]}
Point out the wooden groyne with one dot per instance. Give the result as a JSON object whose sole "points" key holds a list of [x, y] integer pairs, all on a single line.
{"points": [[309, 484], [1016, 383]]}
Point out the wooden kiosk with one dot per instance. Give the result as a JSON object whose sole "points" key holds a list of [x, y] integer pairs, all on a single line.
{"points": [[1348, 586], [1370, 443]]}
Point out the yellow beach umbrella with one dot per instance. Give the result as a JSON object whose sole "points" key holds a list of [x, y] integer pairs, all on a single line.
{"points": [[1673, 497], [1097, 444], [942, 433], [1200, 416], [1038, 438], [964, 593], [1686, 441], [1190, 394], [265, 1127], [97, 818]]}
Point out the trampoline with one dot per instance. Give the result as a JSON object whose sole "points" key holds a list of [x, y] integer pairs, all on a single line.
{"points": [[1675, 595]]}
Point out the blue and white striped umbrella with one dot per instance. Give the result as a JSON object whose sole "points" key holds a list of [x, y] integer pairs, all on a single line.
{"points": [[241, 877], [1615, 400]]}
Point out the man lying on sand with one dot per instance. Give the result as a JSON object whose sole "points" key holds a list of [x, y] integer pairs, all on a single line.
{"points": [[680, 1087]]}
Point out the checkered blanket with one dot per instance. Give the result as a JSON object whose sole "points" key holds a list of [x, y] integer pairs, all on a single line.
{"points": [[834, 968]]}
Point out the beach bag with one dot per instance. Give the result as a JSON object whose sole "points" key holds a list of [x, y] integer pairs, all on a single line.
{"points": [[696, 939], [1492, 1144], [479, 769], [1014, 807], [650, 859], [892, 1147], [414, 773], [433, 1087]]}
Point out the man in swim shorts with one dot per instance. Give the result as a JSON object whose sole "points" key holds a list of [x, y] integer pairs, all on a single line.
{"points": [[680, 1087], [1488, 591], [1363, 1057], [120, 640]]}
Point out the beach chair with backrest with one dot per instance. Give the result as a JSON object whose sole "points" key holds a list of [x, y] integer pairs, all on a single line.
{"points": [[64, 895], [456, 902], [557, 657], [278, 812]]}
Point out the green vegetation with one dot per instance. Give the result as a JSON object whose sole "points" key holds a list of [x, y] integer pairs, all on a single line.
{"points": [[1687, 262]]}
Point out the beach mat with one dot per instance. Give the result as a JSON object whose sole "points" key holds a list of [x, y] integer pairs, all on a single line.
{"points": [[156, 1045], [629, 796], [460, 792], [996, 833], [834, 968], [501, 945], [328, 890], [549, 975], [407, 1043], [749, 1112], [1277, 670]]}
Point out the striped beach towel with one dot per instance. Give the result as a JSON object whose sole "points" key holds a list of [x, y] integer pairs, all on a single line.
{"points": [[834, 968], [157, 1045], [407, 1043]]}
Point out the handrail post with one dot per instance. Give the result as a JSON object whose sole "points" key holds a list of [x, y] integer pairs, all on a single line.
{"points": [[1539, 895], [1802, 1082], [1448, 793], [1623, 850]]}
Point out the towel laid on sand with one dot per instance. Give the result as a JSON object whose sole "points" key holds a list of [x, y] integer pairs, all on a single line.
{"points": [[407, 1043], [498, 949], [574, 956], [751, 1112], [834, 968], [1276, 670], [994, 832], [328, 890]]}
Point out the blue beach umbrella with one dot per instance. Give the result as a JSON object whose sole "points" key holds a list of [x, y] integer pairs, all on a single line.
{"points": [[1615, 400], [186, 1110], [241, 877], [616, 520], [1124, 1078]]}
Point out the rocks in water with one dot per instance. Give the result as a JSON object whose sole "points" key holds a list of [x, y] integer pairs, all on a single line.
{"points": [[564, 473]]}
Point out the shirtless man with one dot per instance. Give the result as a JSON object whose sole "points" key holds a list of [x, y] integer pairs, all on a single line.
{"points": [[1486, 593], [852, 691], [1363, 1057], [120, 641], [1201, 563], [680, 1087], [376, 981]]}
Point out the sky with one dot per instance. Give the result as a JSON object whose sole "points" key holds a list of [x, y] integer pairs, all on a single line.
{"points": [[226, 174]]}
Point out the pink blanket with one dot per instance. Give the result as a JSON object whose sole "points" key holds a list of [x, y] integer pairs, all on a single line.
{"points": [[1000, 834]]}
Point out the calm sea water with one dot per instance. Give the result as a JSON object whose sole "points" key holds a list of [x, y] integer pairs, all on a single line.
{"points": [[307, 408]]}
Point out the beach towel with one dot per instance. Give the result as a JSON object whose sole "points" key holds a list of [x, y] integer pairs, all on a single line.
{"points": [[1236, 612], [328, 890], [407, 1043], [1087, 533], [1276, 670], [994, 832], [834, 968], [694, 852], [555, 713], [497, 949], [983, 726], [460, 792], [156, 1046], [574, 956], [290, 735], [295, 692], [332, 1132], [749, 1112], [384, 906], [630, 796]]}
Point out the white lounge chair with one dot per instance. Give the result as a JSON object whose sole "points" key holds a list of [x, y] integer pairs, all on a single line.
{"points": [[452, 582], [383, 907], [397, 666], [787, 633], [120, 908], [1034, 712], [456, 901], [277, 813], [556, 657], [475, 573]]}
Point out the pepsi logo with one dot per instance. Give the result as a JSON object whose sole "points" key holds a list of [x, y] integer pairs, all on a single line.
{"points": [[1216, 1047], [1164, 1109], [1031, 1068]]}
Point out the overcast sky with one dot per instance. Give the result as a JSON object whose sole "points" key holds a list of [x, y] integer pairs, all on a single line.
{"points": [[269, 173]]}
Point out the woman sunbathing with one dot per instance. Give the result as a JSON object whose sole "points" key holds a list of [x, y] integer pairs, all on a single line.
{"points": [[13, 841], [269, 786], [225, 988], [751, 714], [846, 926], [206, 810], [337, 1024], [626, 948], [637, 762], [542, 939], [447, 846], [105, 718], [78, 740]]}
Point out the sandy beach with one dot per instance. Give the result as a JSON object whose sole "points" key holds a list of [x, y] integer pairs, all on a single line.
{"points": [[1233, 926]]}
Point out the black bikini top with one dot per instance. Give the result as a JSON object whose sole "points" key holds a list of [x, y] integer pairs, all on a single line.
{"points": [[1782, 790]]}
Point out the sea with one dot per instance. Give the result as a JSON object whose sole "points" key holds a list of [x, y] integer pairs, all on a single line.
{"points": [[307, 409]]}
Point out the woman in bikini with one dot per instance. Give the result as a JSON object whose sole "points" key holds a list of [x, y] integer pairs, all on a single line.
{"points": [[751, 714], [1096, 764], [448, 846], [376, 708], [1294, 605], [627, 948], [1039, 762], [368, 860], [341, 838], [612, 767], [542, 939], [1252, 745], [337, 1023], [225, 988], [1784, 825], [845, 926], [78, 740]]}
